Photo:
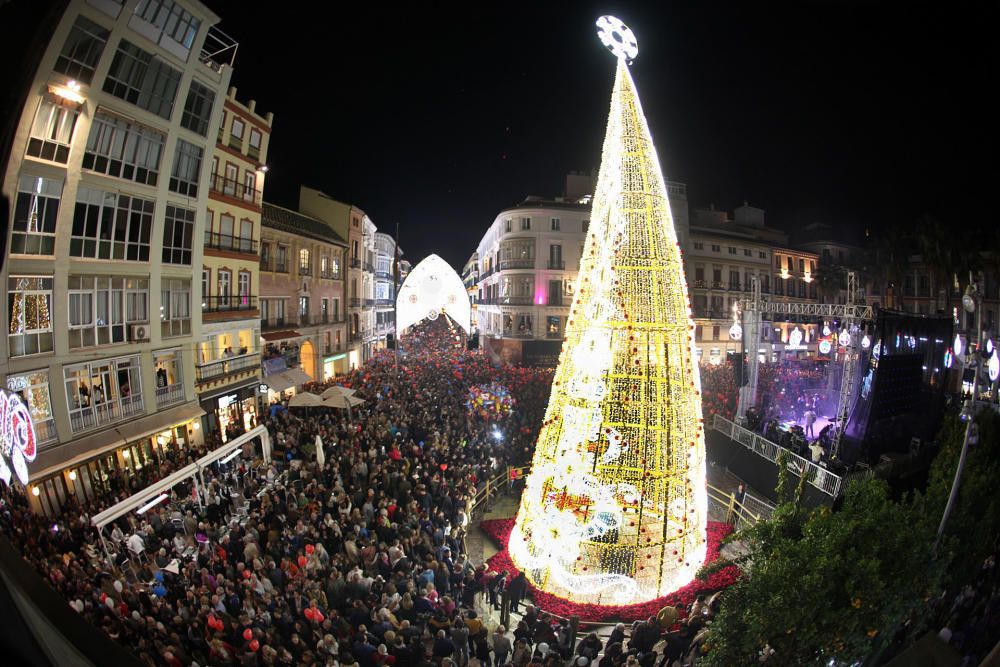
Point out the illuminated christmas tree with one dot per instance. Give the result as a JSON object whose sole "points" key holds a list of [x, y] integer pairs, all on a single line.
{"points": [[614, 508]]}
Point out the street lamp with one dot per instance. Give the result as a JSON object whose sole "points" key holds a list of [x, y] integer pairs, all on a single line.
{"points": [[971, 301]]}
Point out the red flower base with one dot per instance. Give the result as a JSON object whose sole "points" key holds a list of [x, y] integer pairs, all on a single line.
{"points": [[499, 531]]}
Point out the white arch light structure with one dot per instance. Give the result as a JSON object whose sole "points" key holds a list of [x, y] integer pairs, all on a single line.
{"points": [[432, 288]]}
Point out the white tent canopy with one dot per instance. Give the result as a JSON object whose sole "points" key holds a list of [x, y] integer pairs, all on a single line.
{"points": [[432, 288], [305, 399], [164, 485]]}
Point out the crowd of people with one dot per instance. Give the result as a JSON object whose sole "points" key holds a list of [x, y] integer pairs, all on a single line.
{"points": [[360, 561]]}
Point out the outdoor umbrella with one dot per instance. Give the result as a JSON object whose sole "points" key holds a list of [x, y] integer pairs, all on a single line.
{"points": [[305, 399]]}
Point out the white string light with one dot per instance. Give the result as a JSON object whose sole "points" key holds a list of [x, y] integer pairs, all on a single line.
{"points": [[614, 508]]}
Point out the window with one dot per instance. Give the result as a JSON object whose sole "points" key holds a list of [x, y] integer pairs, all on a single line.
{"points": [[716, 248], [178, 231], [123, 149], [525, 224], [175, 307], [777, 261], [762, 255], [304, 308], [253, 151], [779, 286], [236, 133], [265, 255], [100, 308], [765, 285], [802, 266], [206, 285], [747, 252], [52, 132], [699, 276], [103, 392], [281, 259], [305, 268], [225, 287], [335, 267], [111, 226], [555, 224], [586, 226], [169, 20], [734, 280], [82, 50], [698, 245], [187, 169], [33, 387], [507, 226], [198, 108], [29, 311], [698, 332], [324, 310], [715, 332], [354, 249], [169, 388], [142, 79], [243, 285], [324, 266], [732, 250], [790, 265], [35, 211], [249, 186]]}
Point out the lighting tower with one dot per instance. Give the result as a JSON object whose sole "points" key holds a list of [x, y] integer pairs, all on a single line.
{"points": [[614, 509]]}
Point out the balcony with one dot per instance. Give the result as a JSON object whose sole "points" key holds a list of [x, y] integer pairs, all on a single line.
{"points": [[369, 267], [273, 323], [369, 303], [716, 284], [384, 275], [517, 264], [518, 334], [558, 264], [700, 284], [273, 266], [172, 393], [735, 287], [230, 188], [384, 302], [219, 50], [107, 412], [554, 335], [329, 275], [356, 337], [218, 241], [305, 319], [355, 263], [354, 302], [228, 366], [222, 304]]}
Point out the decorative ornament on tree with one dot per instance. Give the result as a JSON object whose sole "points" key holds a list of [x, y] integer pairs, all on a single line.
{"points": [[614, 509]]}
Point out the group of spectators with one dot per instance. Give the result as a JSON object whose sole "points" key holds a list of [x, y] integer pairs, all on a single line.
{"points": [[360, 561]]}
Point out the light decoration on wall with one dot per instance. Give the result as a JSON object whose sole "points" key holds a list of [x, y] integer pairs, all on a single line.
{"points": [[17, 438], [844, 339], [615, 506], [825, 346], [866, 342], [993, 366], [736, 331], [432, 288], [795, 340], [957, 345], [826, 329], [947, 358]]}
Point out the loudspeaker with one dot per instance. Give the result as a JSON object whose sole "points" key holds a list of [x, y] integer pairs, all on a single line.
{"points": [[390, 341]]}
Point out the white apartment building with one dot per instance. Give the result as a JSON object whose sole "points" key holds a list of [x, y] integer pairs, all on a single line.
{"points": [[108, 175], [526, 268], [385, 287], [723, 254]]}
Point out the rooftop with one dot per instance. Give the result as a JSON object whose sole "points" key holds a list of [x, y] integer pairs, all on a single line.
{"points": [[293, 222]]}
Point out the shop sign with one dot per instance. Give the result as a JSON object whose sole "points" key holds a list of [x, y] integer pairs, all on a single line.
{"points": [[263, 388], [226, 401], [336, 357], [17, 437]]}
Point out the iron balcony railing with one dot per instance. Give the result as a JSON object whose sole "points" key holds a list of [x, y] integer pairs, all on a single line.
{"points": [[517, 264], [172, 393], [227, 242], [106, 412], [226, 366], [385, 275], [219, 304], [305, 270], [557, 264], [355, 263], [273, 266], [273, 323], [384, 302], [369, 303], [518, 334], [231, 188], [305, 319], [354, 302]]}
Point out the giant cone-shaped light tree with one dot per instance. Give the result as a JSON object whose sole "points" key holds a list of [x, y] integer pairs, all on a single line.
{"points": [[614, 509]]}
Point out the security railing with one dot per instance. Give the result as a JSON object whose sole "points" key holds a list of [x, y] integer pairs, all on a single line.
{"points": [[227, 242], [226, 366], [817, 475]]}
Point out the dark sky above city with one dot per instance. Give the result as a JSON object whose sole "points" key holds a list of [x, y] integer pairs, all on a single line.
{"points": [[853, 113]]}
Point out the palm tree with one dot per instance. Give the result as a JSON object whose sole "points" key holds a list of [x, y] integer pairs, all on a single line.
{"points": [[891, 255], [830, 279]]}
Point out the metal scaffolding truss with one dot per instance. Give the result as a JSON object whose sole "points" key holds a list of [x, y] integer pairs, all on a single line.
{"points": [[851, 315]]}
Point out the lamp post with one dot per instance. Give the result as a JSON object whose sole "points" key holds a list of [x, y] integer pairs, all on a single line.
{"points": [[972, 302]]}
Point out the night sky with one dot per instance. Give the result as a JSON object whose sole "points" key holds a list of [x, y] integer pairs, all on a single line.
{"points": [[859, 114]]}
